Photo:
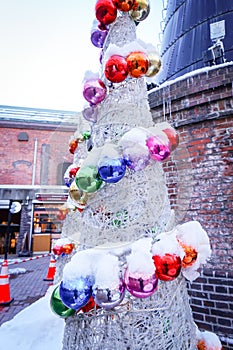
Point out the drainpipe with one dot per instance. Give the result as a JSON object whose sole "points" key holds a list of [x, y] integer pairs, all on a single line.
{"points": [[34, 162]]}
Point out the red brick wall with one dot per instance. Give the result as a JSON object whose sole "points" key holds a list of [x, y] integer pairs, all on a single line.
{"points": [[200, 181], [16, 157]]}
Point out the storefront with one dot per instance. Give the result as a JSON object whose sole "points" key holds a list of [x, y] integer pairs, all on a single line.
{"points": [[47, 225], [13, 227]]}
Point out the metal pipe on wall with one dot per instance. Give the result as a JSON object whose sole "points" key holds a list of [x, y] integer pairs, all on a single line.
{"points": [[34, 161]]}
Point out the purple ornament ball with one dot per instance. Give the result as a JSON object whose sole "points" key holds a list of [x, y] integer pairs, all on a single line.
{"points": [[98, 37], [139, 285], [108, 298], [94, 91]]}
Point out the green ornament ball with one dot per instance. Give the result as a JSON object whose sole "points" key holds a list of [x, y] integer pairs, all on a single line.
{"points": [[87, 179], [57, 305]]}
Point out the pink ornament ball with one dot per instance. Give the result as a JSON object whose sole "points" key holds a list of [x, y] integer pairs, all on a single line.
{"points": [[116, 69], [159, 148], [94, 91], [139, 285], [105, 11]]}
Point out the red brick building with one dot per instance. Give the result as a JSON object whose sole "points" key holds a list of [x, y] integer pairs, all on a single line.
{"points": [[34, 149], [200, 181]]}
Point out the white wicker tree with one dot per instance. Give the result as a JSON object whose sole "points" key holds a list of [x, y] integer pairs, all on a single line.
{"points": [[120, 226]]}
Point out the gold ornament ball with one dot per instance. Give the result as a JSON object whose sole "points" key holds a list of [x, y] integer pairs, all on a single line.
{"points": [[154, 64], [74, 192], [140, 10]]}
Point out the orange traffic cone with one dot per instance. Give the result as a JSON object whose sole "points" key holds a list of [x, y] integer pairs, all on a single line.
{"points": [[51, 270], [5, 298]]}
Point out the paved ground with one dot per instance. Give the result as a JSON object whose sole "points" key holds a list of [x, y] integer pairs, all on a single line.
{"points": [[26, 287]]}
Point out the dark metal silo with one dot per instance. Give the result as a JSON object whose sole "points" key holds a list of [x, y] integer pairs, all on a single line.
{"points": [[186, 35]]}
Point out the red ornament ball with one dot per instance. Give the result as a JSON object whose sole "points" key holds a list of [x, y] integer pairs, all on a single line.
{"points": [[116, 69], [167, 266], [73, 172], [105, 11], [57, 249], [124, 5], [137, 64]]}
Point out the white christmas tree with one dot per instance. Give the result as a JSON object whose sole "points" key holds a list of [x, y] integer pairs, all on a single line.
{"points": [[122, 259]]}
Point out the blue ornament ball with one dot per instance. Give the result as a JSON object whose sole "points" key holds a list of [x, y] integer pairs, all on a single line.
{"points": [[111, 170], [76, 293]]}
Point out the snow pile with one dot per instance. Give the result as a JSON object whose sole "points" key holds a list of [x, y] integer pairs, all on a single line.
{"points": [[36, 327]]}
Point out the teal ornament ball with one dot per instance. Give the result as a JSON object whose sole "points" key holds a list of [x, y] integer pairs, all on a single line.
{"points": [[57, 305], [88, 179]]}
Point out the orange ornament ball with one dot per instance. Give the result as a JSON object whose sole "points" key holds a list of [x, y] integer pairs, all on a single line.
{"points": [[137, 64], [73, 145], [124, 5], [173, 137], [190, 255], [68, 248]]}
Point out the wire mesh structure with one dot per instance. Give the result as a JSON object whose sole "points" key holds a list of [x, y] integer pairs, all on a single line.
{"points": [[119, 214]]}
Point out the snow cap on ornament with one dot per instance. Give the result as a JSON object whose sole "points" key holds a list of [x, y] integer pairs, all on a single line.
{"points": [[195, 243], [140, 277], [109, 289], [140, 260], [80, 265], [208, 341]]}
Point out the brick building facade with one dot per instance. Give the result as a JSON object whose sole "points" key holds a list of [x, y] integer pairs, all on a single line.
{"points": [[34, 154], [200, 182]]}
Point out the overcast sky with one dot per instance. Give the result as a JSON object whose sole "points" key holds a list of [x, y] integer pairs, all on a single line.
{"points": [[46, 49]]}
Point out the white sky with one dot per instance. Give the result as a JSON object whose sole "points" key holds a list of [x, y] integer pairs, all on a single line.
{"points": [[46, 49]]}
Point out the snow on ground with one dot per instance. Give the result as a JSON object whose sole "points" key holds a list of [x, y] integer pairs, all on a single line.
{"points": [[36, 327]]}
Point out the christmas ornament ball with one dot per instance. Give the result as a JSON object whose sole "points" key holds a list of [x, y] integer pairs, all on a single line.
{"points": [[105, 11], [124, 5], [88, 179], [138, 64], [73, 144], [111, 170], [116, 69], [159, 149], [168, 266], [68, 248], [172, 136], [74, 192], [98, 37], [94, 91], [140, 285], [108, 298], [57, 305], [154, 64], [57, 250], [90, 114], [140, 10], [76, 293]]}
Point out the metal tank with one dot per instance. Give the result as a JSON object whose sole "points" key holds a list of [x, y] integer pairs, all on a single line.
{"points": [[186, 43]]}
